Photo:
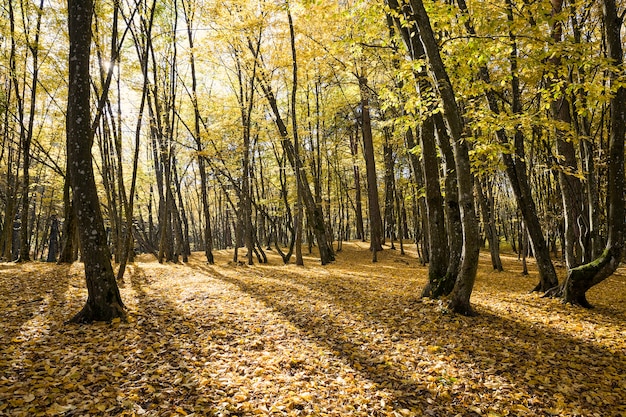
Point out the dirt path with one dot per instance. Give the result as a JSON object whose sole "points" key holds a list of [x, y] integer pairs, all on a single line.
{"points": [[352, 339]]}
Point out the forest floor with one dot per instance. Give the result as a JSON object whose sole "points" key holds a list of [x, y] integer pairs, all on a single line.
{"points": [[349, 339]]}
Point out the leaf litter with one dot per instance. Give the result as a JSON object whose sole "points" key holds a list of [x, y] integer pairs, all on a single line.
{"points": [[350, 339]]}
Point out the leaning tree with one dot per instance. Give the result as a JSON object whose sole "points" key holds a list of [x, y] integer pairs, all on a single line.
{"points": [[580, 279]]}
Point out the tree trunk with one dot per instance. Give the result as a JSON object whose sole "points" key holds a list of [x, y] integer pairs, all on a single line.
{"points": [[53, 240], [104, 302], [489, 225], [438, 284], [460, 296], [571, 186], [444, 220], [69, 235], [296, 142], [419, 203], [580, 279], [376, 222], [390, 188], [451, 198], [358, 205]]}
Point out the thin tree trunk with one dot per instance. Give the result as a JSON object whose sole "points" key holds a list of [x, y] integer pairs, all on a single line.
{"points": [[358, 205], [296, 142], [315, 213], [489, 225], [376, 222]]}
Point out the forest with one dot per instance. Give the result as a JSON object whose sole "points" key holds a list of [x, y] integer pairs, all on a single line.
{"points": [[270, 172]]}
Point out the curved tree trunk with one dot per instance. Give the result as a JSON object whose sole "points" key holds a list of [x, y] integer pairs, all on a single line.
{"points": [[460, 296], [571, 186], [445, 234], [314, 211], [580, 279]]}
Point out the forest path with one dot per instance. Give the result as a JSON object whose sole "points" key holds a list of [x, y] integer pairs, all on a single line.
{"points": [[352, 338]]}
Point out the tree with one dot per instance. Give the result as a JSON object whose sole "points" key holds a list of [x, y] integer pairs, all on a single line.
{"points": [[580, 279], [208, 233], [460, 296], [515, 161], [376, 221], [444, 245], [104, 302]]}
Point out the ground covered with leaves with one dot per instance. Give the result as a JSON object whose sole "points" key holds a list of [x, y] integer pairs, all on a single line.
{"points": [[350, 339]]}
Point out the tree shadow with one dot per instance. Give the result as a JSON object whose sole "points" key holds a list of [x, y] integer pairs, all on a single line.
{"points": [[23, 296], [493, 352], [143, 367]]}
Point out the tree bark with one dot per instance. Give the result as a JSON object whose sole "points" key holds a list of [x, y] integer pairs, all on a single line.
{"points": [[358, 205], [460, 296], [515, 167], [104, 302], [53, 240], [451, 201], [27, 137], [298, 221], [489, 225], [445, 236], [438, 284], [208, 232], [376, 222], [571, 186], [390, 189], [580, 279]]}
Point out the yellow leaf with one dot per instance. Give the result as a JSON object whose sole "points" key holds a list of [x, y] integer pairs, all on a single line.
{"points": [[306, 396], [29, 398], [476, 410], [520, 408]]}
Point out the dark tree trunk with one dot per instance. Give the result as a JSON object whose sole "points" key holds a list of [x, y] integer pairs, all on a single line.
{"points": [[445, 235], [299, 221], [580, 279], [419, 204], [358, 205], [69, 235], [53, 240], [451, 198], [517, 172], [390, 189], [376, 221], [104, 302], [207, 231], [438, 284], [460, 296], [489, 225], [571, 186]]}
